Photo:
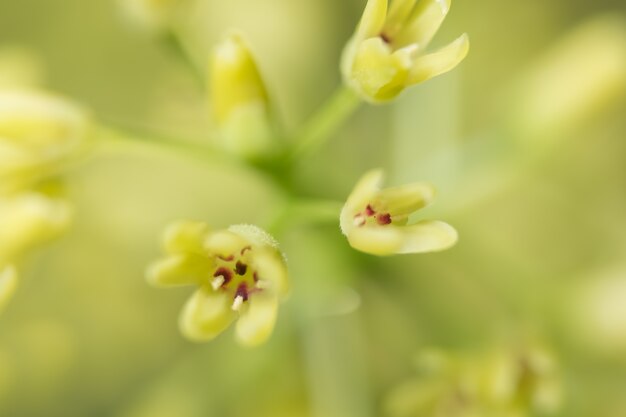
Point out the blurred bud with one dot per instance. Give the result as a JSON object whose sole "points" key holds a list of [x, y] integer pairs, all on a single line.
{"points": [[239, 272], [387, 53], [239, 101], [38, 134], [509, 383], [522, 380], [28, 219], [151, 15], [375, 220], [582, 74], [8, 284]]}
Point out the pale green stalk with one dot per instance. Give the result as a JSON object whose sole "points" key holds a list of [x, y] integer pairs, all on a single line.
{"points": [[323, 124]]}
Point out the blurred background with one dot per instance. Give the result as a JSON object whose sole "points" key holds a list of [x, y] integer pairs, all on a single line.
{"points": [[524, 141]]}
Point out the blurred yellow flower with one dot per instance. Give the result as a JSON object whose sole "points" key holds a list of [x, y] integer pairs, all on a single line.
{"points": [[375, 220], [8, 283], [239, 101], [387, 52], [27, 219], [240, 274], [38, 134], [522, 379]]}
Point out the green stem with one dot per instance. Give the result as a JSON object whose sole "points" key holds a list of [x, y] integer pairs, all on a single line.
{"points": [[172, 40], [142, 138], [322, 125], [297, 209]]}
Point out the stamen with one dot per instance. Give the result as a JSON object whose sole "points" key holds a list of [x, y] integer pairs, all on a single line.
{"points": [[247, 248], [224, 273], [369, 211], [263, 284], [242, 291], [383, 219], [241, 268], [217, 282], [226, 258], [359, 220], [237, 303], [255, 276]]}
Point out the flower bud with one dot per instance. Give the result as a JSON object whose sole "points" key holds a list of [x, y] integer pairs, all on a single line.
{"points": [[239, 101]]}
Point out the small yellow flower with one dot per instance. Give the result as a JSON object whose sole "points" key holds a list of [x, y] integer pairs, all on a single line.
{"points": [[38, 133], [8, 283], [27, 219], [239, 101], [375, 220], [240, 274], [387, 52]]}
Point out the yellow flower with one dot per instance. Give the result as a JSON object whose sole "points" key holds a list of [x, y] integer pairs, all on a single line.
{"points": [[8, 283], [240, 274], [387, 52], [27, 219], [239, 101], [375, 220], [38, 133]]}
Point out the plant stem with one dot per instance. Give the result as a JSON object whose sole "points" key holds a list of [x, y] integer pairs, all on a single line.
{"points": [[171, 39], [323, 124]]}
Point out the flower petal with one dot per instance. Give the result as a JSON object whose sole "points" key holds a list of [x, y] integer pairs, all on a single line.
{"points": [[427, 236], [254, 235], [376, 240], [404, 199], [439, 62], [185, 236], [372, 21], [364, 191], [28, 219], [397, 16], [423, 23], [224, 243], [270, 266], [179, 269], [8, 284], [206, 315], [257, 322]]}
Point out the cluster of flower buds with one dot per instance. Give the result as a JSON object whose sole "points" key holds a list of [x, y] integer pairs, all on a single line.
{"points": [[511, 381], [39, 135]]}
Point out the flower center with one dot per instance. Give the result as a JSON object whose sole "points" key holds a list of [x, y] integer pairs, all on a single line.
{"points": [[370, 216], [234, 275]]}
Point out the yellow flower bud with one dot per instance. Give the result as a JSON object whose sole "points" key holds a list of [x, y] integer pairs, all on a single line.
{"points": [[38, 133], [240, 273], [28, 219], [239, 101], [375, 220], [387, 53]]}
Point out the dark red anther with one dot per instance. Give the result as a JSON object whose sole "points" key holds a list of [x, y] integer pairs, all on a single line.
{"points": [[242, 291], [224, 273], [383, 219], [369, 211], [241, 268], [226, 258], [255, 277], [247, 248]]}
